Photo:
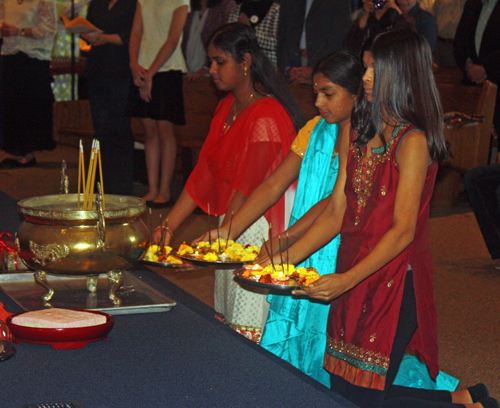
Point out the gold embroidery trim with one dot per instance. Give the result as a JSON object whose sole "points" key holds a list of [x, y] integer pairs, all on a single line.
{"points": [[252, 333], [363, 188], [361, 355]]}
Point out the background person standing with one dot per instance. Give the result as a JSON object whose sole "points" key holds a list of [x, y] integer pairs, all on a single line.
{"points": [[308, 31], [28, 30], [157, 66], [109, 80]]}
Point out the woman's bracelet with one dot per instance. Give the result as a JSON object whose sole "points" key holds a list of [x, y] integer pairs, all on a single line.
{"points": [[168, 229]]}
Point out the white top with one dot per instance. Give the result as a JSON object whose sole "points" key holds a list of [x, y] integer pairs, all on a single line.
{"points": [[40, 16], [156, 18]]}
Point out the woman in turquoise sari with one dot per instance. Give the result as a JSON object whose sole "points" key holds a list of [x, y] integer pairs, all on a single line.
{"points": [[296, 326], [313, 160]]}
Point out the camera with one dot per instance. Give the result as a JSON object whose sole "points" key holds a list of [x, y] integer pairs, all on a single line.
{"points": [[379, 4]]}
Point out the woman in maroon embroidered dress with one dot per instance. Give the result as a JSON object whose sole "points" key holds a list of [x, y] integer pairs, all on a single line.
{"points": [[382, 291]]}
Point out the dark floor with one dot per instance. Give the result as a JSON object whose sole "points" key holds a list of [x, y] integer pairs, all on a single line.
{"points": [[467, 287]]}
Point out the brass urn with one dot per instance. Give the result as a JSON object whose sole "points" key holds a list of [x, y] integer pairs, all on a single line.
{"points": [[58, 238]]}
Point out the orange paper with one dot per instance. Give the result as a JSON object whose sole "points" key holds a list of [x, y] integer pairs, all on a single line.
{"points": [[79, 25]]}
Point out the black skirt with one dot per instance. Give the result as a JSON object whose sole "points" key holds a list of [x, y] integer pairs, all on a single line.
{"points": [[167, 102], [27, 104]]}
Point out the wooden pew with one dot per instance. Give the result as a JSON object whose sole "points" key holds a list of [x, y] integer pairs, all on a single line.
{"points": [[470, 142], [72, 119]]}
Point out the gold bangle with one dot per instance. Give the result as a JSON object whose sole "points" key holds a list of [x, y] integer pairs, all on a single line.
{"points": [[168, 229]]}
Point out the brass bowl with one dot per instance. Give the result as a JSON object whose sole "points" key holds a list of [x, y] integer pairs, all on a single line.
{"points": [[59, 239]]}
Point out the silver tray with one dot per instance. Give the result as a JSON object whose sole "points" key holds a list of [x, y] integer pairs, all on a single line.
{"points": [[291, 285], [218, 264], [183, 267], [71, 293]]}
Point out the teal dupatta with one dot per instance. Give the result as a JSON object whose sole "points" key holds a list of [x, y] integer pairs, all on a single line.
{"points": [[296, 327]]}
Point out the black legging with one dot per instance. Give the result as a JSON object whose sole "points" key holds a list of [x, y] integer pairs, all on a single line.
{"points": [[395, 396]]}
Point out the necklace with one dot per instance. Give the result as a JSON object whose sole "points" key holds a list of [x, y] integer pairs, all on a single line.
{"points": [[379, 150], [236, 113]]}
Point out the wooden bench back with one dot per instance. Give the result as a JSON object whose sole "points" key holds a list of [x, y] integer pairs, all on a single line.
{"points": [[470, 142]]}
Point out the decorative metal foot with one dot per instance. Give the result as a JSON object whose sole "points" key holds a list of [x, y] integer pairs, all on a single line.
{"points": [[41, 279], [92, 283], [115, 280], [92, 301]]}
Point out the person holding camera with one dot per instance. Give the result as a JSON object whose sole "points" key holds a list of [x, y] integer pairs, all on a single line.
{"points": [[377, 16]]}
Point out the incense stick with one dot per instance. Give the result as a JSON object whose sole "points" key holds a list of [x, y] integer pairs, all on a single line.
{"points": [[100, 174], [281, 254], [265, 246], [88, 184], [90, 198], [229, 232], [218, 234], [287, 258], [85, 184], [83, 170], [271, 242], [86, 195], [268, 254], [80, 163], [209, 233], [94, 168], [150, 225], [162, 234]]}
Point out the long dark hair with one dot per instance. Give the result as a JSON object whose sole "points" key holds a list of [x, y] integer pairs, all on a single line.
{"points": [[237, 39], [343, 69], [404, 91]]}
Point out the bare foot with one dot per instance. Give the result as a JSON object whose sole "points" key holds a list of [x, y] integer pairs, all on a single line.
{"points": [[149, 197], [162, 198], [461, 397]]}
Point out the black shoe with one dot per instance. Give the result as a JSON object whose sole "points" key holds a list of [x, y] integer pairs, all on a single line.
{"points": [[30, 163], [489, 402], [478, 392], [16, 164], [7, 163]]}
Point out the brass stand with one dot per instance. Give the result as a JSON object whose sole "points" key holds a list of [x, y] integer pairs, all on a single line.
{"points": [[115, 281], [41, 279]]}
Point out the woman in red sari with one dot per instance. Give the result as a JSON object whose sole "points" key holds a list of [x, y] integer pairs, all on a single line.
{"points": [[251, 133], [381, 293]]}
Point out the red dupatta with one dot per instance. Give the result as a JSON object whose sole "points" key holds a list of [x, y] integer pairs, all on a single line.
{"points": [[242, 156]]}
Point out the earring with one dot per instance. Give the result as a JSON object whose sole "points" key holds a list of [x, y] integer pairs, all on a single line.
{"points": [[245, 69]]}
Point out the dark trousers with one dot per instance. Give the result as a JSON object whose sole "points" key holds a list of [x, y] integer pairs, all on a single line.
{"points": [[27, 104], [483, 188], [395, 396], [108, 101]]}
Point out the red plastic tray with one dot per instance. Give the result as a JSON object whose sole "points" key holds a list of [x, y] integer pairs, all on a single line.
{"points": [[67, 338]]}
